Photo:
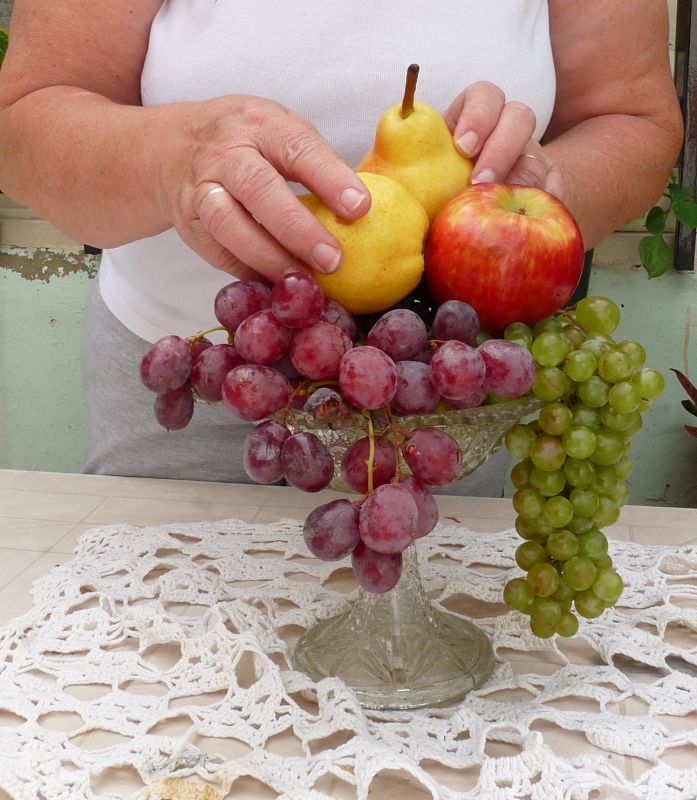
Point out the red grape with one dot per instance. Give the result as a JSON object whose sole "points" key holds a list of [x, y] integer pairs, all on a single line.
{"points": [[336, 314], [173, 410], [167, 364], [210, 369], [199, 345], [455, 320], [331, 530], [297, 300], [354, 464], [253, 391], [261, 339], [425, 504], [472, 400], [400, 333], [261, 452], [433, 456], [376, 572], [388, 519], [316, 351], [457, 370], [415, 393], [307, 463], [510, 368], [367, 377], [239, 300]]}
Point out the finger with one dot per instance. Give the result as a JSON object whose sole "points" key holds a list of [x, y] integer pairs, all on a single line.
{"points": [[241, 238], [211, 251], [505, 144], [531, 168], [257, 186], [299, 153], [473, 115], [554, 184]]}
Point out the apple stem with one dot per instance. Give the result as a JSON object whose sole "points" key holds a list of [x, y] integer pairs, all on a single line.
{"points": [[409, 90]]}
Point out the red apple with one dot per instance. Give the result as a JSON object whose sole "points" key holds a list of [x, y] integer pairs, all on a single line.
{"points": [[514, 253]]}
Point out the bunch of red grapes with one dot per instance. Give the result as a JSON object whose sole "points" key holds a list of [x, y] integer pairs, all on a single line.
{"points": [[289, 349]]}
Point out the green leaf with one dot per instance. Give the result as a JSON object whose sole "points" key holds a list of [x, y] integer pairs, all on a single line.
{"points": [[685, 213], [679, 194], [656, 220], [655, 254]]}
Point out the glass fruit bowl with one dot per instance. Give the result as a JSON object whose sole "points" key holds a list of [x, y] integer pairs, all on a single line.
{"points": [[396, 650]]}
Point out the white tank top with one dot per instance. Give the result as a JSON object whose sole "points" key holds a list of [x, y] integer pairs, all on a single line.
{"points": [[339, 64]]}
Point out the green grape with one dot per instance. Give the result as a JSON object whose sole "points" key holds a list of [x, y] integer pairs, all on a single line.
{"points": [[567, 625], [579, 572], [528, 502], [598, 314], [604, 562], [649, 382], [614, 366], [518, 595], [519, 439], [520, 333], [596, 346], [634, 350], [607, 513], [613, 419], [575, 334], [543, 579], [562, 545], [609, 447], [602, 337], [579, 525], [592, 544], [580, 365], [520, 474], [579, 442], [621, 495], [593, 392], [554, 418], [550, 384], [635, 426], [623, 468], [548, 483], [606, 481], [549, 348], [579, 472], [525, 528], [584, 501], [545, 614], [530, 553], [564, 593], [548, 324], [608, 586], [585, 416], [558, 511], [541, 526], [646, 405], [547, 453], [588, 604], [482, 336], [624, 398]]}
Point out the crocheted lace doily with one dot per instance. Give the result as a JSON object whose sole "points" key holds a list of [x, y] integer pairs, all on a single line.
{"points": [[191, 624]]}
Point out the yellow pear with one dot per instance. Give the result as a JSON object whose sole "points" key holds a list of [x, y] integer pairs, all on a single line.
{"points": [[414, 146], [383, 250]]}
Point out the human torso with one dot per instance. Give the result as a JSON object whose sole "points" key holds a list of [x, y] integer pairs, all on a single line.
{"points": [[340, 65]]}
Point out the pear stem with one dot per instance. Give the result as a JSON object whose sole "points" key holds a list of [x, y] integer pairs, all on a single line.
{"points": [[409, 90]]}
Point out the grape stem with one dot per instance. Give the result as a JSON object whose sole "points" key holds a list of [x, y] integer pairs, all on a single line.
{"points": [[202, 334], [370, 463]]}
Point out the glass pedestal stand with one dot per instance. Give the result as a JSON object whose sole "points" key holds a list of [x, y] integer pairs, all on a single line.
{"points": [[396, 650]]}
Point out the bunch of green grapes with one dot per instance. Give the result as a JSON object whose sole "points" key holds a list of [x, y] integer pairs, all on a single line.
{"points": [[571, 481]]}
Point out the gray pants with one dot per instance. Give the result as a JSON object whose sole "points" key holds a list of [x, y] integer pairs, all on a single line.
{"points": [[123, 438]]}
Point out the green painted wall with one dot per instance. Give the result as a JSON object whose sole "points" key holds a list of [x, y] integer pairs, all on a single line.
{"points": [[41, 297]]}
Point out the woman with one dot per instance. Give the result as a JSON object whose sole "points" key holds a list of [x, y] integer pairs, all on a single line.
{"points": [[168, 132]]}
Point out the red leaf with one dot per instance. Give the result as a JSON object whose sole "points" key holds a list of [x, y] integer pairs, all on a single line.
{"points": [[686, 385], [691, 430], [688, 406]]}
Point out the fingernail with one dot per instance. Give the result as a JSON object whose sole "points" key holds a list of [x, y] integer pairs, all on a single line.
{"points": [[485, 176], [351, 198], [467, 143], [327, 258]]}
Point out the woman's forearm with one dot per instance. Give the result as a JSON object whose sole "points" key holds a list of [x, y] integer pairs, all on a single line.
{"points": [[615, 167], [85, 163]]}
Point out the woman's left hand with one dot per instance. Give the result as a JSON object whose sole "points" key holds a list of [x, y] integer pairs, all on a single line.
{"points": [[498, 136]]}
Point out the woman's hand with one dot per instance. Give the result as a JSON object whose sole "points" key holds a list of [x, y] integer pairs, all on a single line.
{"points": [[225, 187], [498, 135]]}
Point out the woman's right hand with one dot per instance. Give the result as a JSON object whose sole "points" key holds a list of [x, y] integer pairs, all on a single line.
{"points": [[223, 185]]}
